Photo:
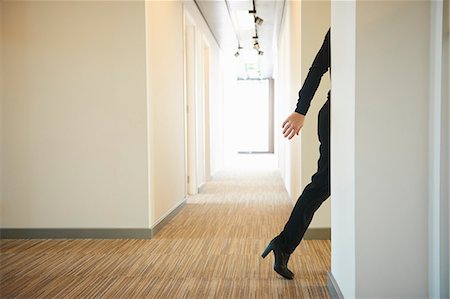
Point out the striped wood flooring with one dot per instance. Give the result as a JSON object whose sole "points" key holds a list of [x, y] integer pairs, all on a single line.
{"points": [[211, 249]]}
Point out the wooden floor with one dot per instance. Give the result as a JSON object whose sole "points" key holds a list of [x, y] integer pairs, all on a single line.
{"points": [[211, 249]]}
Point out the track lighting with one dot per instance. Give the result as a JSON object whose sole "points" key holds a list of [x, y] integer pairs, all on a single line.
{"points": [[258, 21], [238, 52]]}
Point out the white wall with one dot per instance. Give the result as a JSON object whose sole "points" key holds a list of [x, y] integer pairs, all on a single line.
{"points": [[381, 88], [230, 85], [287, 78], [445, 200], [446, 136], [392, 88], [295, 80], [207, 110], [166, 105], [343, 177], [216, 108], [284, 102], [74, 115], [93, 112], [200, 106], [1, 113], [209, 126], [190, 91], [438, 204]]}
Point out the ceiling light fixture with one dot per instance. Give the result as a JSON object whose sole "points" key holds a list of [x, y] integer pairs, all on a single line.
{"points": [[258, 21], [238, 52]]}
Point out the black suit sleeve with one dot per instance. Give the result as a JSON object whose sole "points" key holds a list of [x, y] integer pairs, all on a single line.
{"points": [[319, 67]]}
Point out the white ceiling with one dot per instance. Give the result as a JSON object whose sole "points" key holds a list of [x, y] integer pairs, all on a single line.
{"points": [[225, 19]]}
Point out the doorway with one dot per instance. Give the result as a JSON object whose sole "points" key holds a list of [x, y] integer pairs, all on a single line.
{"points": [[197, 112]]}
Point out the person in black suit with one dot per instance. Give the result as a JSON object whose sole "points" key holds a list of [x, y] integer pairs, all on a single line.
{"points": [[316, 192]]}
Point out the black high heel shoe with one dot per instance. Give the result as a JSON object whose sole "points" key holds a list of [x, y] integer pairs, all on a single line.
{"points": [[281, 258]]}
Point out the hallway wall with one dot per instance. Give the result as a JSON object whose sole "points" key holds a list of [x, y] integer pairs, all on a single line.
{"points": [[392, 133], [1, 113], [447, 97], [287, 76], [167, 103], [383, 148], [445, 135], [215, 132], [166, 106], [209, 99], [74, 115], [92, 113], [343, 51], [216, 108], [445, 196]]}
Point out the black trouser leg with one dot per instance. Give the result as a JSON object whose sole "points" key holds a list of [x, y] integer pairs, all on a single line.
{"points": [[315, 193]]}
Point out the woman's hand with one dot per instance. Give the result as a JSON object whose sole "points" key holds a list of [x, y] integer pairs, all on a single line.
{"points": [[293, 124]]}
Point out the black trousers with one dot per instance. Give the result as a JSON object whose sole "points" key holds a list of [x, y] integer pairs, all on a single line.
{"points": [[315, 193]]}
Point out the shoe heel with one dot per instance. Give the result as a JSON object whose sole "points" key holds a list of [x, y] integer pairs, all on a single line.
{"points": [[267, 251]]}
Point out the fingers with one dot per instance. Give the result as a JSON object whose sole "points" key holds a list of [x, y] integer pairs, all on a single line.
{"points": [[287, 125], [292, 126], [292, 134], [288, 131]]}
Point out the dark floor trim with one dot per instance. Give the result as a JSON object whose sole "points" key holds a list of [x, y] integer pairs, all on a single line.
{"points": [[88, 233], [333, 287], [318, 234], [157, 227], [75, 233]]}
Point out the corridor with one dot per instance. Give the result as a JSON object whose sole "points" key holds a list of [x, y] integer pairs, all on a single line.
{"points": [[211, 249], [128, 130]]}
